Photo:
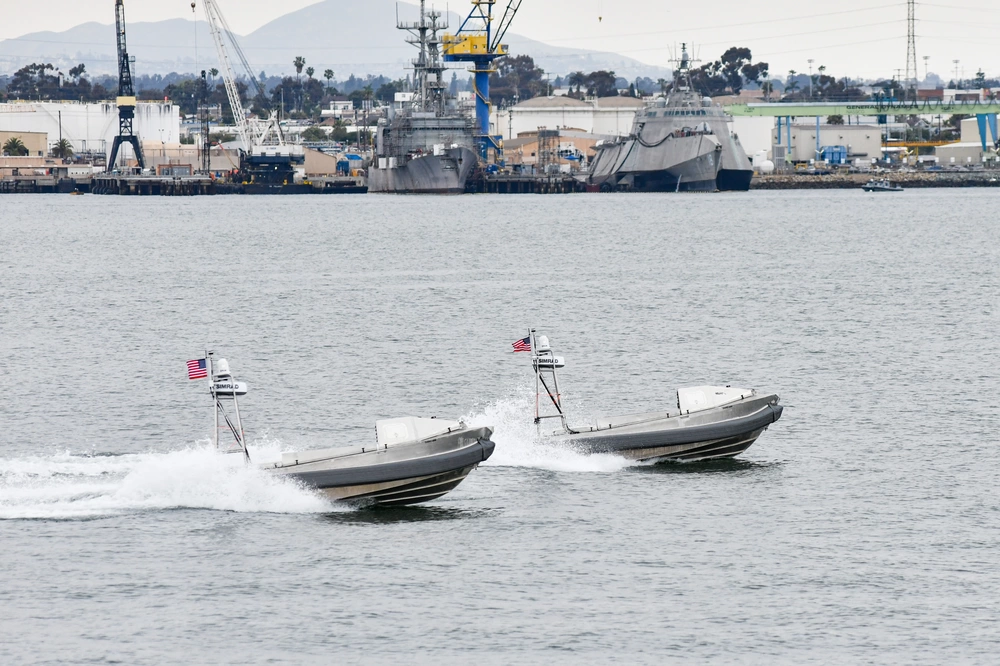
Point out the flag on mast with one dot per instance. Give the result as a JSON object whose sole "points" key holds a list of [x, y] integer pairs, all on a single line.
{"points": [[198, 368], [522, 345]]}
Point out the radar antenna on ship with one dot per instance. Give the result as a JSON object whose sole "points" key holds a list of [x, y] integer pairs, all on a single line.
{"points": [[225, 389]]}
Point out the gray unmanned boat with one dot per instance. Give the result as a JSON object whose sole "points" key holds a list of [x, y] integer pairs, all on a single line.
{"points": [[708, 422], [412, 459], [678, 143]]}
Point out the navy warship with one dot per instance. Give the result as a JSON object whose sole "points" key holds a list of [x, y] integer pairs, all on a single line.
{"points": [[681, 142], [428, 146]]}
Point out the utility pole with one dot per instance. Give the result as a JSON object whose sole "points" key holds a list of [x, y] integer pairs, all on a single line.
{"points": [[810, 61], [911, 48]]}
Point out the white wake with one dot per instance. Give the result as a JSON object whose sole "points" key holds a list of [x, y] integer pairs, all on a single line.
{"points": [[78, 486], [519, 444]]}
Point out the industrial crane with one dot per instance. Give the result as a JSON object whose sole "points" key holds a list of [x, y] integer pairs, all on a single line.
{"points": [[477, 41], [126, 96], [265, 157]]}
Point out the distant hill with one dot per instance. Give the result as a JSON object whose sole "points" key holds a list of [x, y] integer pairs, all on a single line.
{"points": [[350, 38]]}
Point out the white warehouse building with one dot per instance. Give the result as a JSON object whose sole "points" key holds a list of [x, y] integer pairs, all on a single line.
{"points": [[608, 116], [91, 126]]}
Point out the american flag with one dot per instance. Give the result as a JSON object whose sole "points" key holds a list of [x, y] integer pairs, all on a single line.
{"points": [[524, 344], [198, 368]]}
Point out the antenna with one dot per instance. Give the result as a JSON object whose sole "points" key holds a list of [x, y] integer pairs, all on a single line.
{"points": [[911, 47]]}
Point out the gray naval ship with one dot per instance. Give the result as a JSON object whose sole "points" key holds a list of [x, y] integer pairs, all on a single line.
{"points": [[678, 143], [427, 147]]}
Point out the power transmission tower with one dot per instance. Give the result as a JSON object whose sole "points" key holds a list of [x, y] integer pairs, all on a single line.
{"points": [[911, 48]]}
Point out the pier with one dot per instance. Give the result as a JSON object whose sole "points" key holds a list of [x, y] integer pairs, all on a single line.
{"points": [[501, 183]]}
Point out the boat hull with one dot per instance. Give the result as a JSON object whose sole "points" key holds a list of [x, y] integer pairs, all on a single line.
{"points": [[720, 432], [734, 180], [396, 475], [682, 164], [429, 174]]}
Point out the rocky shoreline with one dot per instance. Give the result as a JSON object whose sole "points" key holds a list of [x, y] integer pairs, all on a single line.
{"points": [[805, 181]]}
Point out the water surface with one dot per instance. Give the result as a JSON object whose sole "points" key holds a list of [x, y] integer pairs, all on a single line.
{"points": [[862, 527]]}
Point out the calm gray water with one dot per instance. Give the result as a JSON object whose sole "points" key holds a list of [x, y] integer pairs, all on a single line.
{"points": [[861, 528]]}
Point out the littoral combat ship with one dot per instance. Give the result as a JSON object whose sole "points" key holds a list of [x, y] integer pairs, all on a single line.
{"points": [[678, 143], [427, 147]]}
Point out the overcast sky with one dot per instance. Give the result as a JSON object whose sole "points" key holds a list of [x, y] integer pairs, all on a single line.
{"points": [[857, 38]]}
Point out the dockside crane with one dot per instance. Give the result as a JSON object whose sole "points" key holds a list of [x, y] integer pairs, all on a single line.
{"points": [[126, 96], [478, 42], [265, 157]]}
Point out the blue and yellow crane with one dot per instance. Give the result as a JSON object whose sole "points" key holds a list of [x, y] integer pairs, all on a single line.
{"points": [[477, 41]]}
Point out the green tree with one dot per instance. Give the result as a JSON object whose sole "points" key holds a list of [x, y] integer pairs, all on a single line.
{"points": [[835, 120], [328, 75], [729, 73], [63, 149], [517, 78], [14, 147], [602, 84], [299, 63], [310, 71], [792, 84], [314, 134]]}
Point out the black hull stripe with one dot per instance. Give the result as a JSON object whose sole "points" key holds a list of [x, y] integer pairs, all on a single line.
{"points": [[418, 491]]}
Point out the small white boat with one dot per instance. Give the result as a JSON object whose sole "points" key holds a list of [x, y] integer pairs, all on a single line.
{"points": [[412, 459], [881, 185], [706, 422]]}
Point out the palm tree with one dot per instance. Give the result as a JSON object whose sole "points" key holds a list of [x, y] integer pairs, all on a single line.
{"points": [[310, 71], [328, 75], [213, 73], [15, 147], [792, 84], [63, 149], [577, 79], [299, 63]]}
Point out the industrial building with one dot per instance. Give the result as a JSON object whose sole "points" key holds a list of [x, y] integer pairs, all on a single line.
{"points": [[837, 143], [568, 150], [90, 127], [35, 142], [969, 149]]}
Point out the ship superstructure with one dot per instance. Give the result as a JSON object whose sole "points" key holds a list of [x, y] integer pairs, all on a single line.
{"points": [[681, 142], [427, 146]]}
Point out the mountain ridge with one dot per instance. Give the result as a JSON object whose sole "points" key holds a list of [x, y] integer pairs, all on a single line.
{"points": [[358, 39]]}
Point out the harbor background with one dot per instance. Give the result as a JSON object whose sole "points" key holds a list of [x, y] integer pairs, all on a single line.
{"points": [[860, 528]]}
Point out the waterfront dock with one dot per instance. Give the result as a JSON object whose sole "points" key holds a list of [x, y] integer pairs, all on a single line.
{"points": [[503, 183]]}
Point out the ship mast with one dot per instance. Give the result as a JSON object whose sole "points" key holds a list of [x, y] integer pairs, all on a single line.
{"points": [[682, 72], [428, 69]]}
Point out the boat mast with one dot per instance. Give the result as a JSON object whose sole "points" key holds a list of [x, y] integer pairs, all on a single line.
{"points": [[230, 389], [428, 69], [544, 360], [215, 399]]}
